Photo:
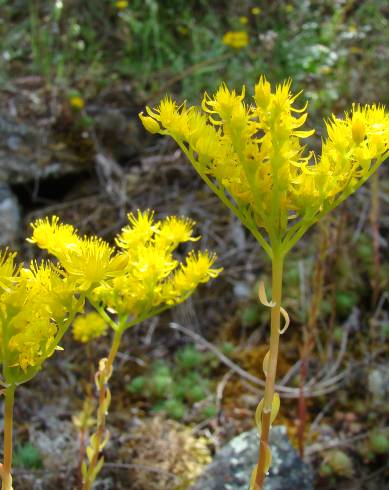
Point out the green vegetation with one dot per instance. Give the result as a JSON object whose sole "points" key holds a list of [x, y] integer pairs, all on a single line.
{"points": [[27, 456], [174, 388], [338, 50]]}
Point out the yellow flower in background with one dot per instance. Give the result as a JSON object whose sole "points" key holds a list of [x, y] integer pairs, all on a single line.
{"points": [[236, 39], [121, 4], [255, 152], [88, 327], [183, 30], [256, 10], [244, 20], [77, 102], [325, 69]]}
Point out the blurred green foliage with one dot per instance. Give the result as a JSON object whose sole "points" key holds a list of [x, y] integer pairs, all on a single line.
{"points": [[346, 271], [379, 442], [337, 51], [27, 456], [175, 388]]}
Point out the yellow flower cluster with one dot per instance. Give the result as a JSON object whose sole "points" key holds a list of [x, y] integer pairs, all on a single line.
{"points": [[35, 309], [88, 327], [236, 39], [254, 151], [87, 260], [355, 146], [138, 278], [154, 279]]}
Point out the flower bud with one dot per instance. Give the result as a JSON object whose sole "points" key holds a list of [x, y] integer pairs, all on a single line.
{"points": [[149, 123], [358, 129], [262, 93]]}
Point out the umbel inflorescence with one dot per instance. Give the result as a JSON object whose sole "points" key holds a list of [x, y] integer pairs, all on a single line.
{"points": [[141, 275], [253, 152]]}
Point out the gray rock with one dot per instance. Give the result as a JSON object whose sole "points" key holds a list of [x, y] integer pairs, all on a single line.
{"points": [[232, 466], [29, 152], [10, 220]]}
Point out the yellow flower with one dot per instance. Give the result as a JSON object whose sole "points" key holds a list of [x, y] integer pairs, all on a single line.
{"points": [[7, 268], [90, 263], [130, 282], [358, 128], [243, 20], [256, 10], [150, 124], [276, 111], [146, 283], [325, 69], [58, 239], [196, 270], [87, 261], [236, 39], [172, 117], [88, 327], [35, 312], [44, 283], [151, 265], [355, 146], [254, 153], [121, 4], [183, 30], [140, 230], [77, 102], [33, 340], [174, 231]]}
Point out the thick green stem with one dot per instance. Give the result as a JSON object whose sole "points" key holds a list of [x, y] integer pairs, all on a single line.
{"points": [[8, 423], [97, 441], [277, 268]]}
